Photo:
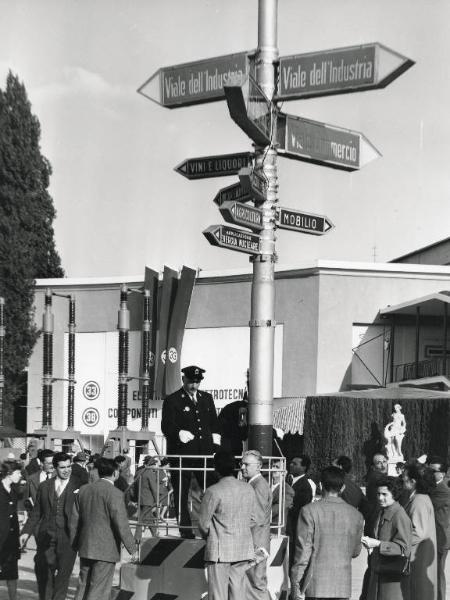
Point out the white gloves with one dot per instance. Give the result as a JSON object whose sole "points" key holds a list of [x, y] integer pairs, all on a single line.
{"points": [[279, 432], [216, 439], [185, 436]]}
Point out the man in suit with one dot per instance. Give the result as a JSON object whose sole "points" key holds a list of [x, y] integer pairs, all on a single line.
{"points": [[98, 525], [251, 471], [277, 482], [79, 470], [303, 494], [440, 497], [50, 520], [328, 536], [189, 423], [352, 493], [46, 471], [227, 514]]}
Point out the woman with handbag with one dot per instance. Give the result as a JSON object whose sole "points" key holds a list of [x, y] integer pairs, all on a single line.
{"points": [[419, 480], [390, 545]]}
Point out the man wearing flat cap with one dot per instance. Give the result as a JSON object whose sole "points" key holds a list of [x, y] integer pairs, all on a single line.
{"points": [[189, 423]]}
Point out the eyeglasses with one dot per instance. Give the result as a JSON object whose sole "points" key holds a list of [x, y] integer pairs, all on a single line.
{"points": [[247, 464]]}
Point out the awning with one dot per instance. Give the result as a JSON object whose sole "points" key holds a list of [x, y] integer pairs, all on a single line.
{"points": [[430, 305], [290, 418]]}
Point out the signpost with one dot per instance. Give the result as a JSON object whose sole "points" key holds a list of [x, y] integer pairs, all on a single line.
{"points": [[233, 239], [242, 214], [303, 222], [214, 166], [339, 71], [253, 83], [254, 183], [195, 82], [251, 110], [232, 192], [323, 144]]}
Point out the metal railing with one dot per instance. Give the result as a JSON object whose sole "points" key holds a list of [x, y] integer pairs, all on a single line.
{"points": [[160, 517], [430, 367]]}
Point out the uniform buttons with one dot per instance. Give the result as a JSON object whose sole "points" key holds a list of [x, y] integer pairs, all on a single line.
{"points": [[10, 502], [200, 437], [198, 420], [10, 516], [199, 428], [11, 529]]}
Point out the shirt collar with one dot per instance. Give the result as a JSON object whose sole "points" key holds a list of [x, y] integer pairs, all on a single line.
{"points": [[295, 479], [254, 477]]}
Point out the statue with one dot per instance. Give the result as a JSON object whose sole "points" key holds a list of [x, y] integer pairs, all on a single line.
{"points": [[394, 432]]}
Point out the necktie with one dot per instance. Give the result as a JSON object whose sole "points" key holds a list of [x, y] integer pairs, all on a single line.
{"points": [[289, 479], [49, 475], [380, 523]]}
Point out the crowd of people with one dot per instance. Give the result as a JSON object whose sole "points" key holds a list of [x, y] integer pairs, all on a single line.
{"points": [[82, 504]]}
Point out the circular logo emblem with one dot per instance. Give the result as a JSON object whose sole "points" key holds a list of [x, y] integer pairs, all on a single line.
{"points": [[151, 359], [163, 357], [91, 390], [173, 355], [90, 417]]}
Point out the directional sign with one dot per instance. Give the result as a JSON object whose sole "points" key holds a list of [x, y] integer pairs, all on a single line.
{"points": [[254, 182], [242, 214], [231, 192], [323, 144], [195, 82], [303, 222], [214, 166], [251, 110], [351, 69], [233, 239]]}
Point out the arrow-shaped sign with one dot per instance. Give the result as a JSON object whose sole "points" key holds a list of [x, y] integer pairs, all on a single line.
{"points": [[214, 166], [195, 82], [338, 71], [323, 144], [242, 214], [233, 239], [296, 220], [251, 110], [230, 193], [254, 183]]}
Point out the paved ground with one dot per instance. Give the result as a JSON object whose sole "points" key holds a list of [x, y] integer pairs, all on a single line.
{"points": [[27, 582]]}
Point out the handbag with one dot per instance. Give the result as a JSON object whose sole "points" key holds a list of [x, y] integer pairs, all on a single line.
{"points": [[391, 566]]}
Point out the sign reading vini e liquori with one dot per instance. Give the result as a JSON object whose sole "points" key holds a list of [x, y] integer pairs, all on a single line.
{"points": [[195, 82], [214, 166]]}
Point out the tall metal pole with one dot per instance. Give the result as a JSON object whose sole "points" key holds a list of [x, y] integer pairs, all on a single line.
{"points": [[146, 342], [262, 320], [71, 385], [47, 378], [2, 359], [124, 328]]}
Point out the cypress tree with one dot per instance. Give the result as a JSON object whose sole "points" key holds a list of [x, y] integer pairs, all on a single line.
{"points": [[27, 247]]}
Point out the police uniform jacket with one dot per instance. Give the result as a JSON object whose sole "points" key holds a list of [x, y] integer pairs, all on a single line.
{"points": [[180, 412]]}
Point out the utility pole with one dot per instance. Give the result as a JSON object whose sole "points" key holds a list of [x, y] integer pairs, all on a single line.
{"points": [[262, 319]]}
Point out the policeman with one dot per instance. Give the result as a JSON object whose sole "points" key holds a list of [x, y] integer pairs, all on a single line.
{"points": [[189, 423]]}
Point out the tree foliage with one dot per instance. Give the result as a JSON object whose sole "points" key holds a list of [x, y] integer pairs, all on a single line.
{"points": [[27, 247]]}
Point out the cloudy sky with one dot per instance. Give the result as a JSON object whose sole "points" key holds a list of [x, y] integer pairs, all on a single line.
{"points": [[120, 204]]}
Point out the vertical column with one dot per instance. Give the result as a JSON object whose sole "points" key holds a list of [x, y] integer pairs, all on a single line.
{"points": [[146, 341], [47, 383], [392, 348], [416, 357], [262, 322], [2, 359], [124, 328], [444, 342], [71, 377]]}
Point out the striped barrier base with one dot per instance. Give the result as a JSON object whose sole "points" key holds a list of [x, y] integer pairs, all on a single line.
{"points": [[172, 568]]}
